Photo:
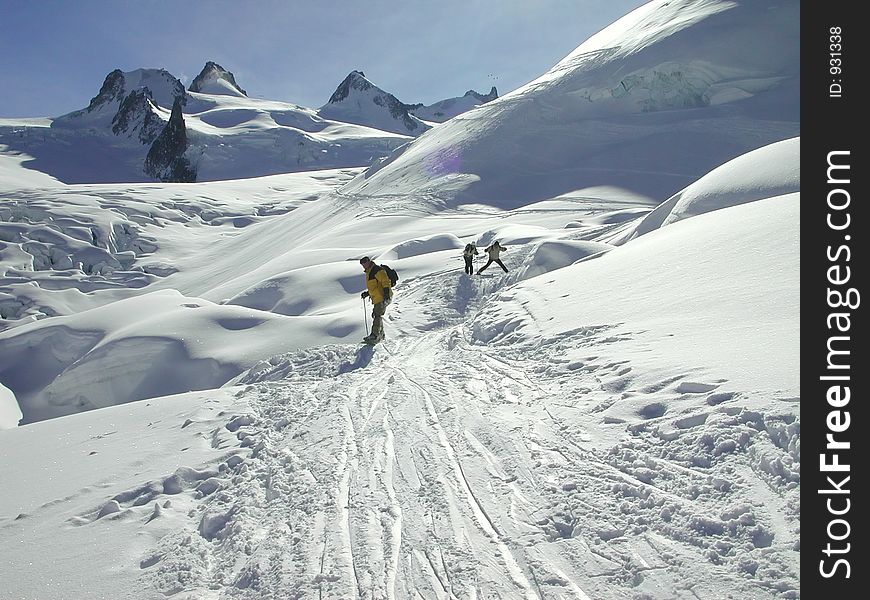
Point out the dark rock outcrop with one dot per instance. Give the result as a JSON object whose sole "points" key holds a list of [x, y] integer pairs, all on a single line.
{"points": [[137, 115], [166, 160], [484, 98], [111, 91]]}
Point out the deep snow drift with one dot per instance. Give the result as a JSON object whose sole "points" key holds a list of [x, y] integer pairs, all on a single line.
{"points": [[616, 417]]}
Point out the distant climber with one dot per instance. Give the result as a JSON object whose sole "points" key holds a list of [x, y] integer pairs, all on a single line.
{"points": [[494, 250], [468, 254], [379, 291]]}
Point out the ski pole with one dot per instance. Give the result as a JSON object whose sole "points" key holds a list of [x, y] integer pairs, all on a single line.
{"points": [[365, 316]]}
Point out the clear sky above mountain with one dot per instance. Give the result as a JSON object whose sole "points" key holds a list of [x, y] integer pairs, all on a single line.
{"points": [[54, 55]]}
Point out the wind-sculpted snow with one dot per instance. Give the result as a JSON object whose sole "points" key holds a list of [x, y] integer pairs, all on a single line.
{"points": [[64, 248], [711, 256], [555, 455], [303, 291], [71, 248]]}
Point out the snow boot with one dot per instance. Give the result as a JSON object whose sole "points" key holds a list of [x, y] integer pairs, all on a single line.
{"points": [[371, 340]]}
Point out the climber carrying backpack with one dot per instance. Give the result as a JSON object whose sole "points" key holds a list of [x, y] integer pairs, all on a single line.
{"points": [[468, 254], [380, 280]]}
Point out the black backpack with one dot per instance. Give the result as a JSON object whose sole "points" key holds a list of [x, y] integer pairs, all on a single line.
{"points": [[394, 277]]}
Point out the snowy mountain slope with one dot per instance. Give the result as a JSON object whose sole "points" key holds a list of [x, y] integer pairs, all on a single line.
{"points": [[267, 245], [440, 111], [358, 100], [151, 345], [649, 104], [77, 460]]}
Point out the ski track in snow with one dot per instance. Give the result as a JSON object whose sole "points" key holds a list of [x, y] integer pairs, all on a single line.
{"points": [[439, 467]]}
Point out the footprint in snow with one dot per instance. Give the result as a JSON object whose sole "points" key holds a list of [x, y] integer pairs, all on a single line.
{"points": [[691, 387]]}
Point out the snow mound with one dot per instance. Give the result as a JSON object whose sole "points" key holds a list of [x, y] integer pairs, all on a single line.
{"points": [[157, 344], [416, 247], [550, 255], [772, 170], [308, 290], [10, 413]]}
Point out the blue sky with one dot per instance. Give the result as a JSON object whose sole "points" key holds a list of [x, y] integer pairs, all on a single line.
{"points": [[54, 54]]}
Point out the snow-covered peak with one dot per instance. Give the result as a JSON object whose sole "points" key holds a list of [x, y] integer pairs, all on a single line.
{"points": [[214, 79], [358, 100], [160, 86], [356, 80], [447, 109], [164, 86]]}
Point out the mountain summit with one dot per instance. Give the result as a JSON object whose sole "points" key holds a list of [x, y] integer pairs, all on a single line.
{"points": [[127, 102], [162, 86], [358, 100], [214, 79]]}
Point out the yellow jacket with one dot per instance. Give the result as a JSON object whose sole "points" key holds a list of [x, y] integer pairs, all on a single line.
{"points": [[376, 282]]}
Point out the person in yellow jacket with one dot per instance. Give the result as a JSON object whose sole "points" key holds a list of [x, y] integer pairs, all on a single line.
{"points": [[379, 291]]}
